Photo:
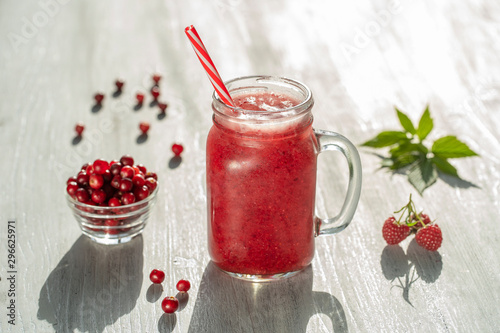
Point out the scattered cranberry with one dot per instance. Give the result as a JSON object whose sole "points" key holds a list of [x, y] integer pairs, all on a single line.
{"points": [[127, 160], [79, 129], [128, 198], [96, 181], [119, 84], [156, 78], [144, 127], [127, 172], [100, 166], [183, 285], [155, 92], [98, 98], [140, 98], [170, 304], [177, 149], [163, 107], [98, 196], [157, 276]]}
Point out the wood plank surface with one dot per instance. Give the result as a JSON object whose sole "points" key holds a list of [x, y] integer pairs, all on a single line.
{"points": [[360, 58]]}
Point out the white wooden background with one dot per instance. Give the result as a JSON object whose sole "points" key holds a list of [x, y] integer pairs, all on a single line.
{"points": [[360, 58]]}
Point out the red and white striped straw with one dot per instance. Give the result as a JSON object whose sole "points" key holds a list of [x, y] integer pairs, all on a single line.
{"points": [[208, 64]]}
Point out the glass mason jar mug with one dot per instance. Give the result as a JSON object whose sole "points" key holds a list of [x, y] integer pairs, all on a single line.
{"points": [[261, 179]]}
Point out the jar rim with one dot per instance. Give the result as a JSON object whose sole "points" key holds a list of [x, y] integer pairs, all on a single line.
{"points": [[305, 103]]}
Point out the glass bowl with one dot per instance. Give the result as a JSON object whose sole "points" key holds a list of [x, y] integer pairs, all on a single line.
{"points": [[112, 225]]}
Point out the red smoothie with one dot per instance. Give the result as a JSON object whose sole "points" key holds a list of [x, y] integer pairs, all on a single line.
{"points": [[261, 191]]}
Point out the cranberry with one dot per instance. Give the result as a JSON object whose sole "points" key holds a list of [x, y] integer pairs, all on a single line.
{"points": [[127, 172], [157, 276], [115, 168], [163, 107], [139, 180], [177, 149], [126, 184], [155, 92], [82, 178], [100, 166], [98, 196], [150, 174], [113, 162], [98, 98], [141, 192], [137, 170], [82, 195], [128, 198], [96, 181], [127, 160], [90, 169], [71, 188], [119, 84], [183, 285], [71, 179], [115, 182], [170, 304], [142, 168], [110, 191], [156, 78], [144, 127], [107, 176], [151, 184], [140, 98], [111, 222], [114, 202], [84, 167], [79, 129]]}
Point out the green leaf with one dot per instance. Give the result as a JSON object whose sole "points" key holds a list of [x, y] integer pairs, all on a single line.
{"points": [[425, 125], [404, 160], [451, 147], [422, 175], [406, 122], [444, 166], [385, 139], [408, 147]]}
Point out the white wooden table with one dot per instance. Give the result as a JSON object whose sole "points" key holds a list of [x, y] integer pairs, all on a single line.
{"points": [[359, 58]]}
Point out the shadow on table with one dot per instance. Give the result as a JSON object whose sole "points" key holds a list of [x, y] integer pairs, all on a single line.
{"points": [[232, 305], [407, 268], [92, 286]]}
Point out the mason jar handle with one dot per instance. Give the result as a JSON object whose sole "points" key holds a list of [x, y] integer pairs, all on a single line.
{"points": [[333, 141]]}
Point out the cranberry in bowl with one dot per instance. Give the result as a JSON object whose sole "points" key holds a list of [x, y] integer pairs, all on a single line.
{"points": [[112, 201]]}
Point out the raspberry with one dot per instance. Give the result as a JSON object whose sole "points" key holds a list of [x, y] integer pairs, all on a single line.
{"points": [[393, 232], [430, 237]]}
